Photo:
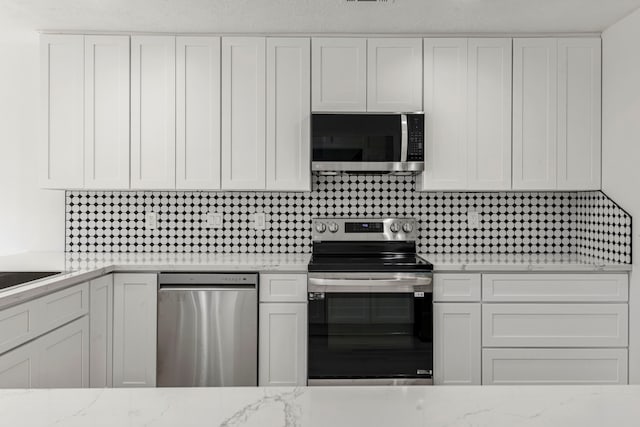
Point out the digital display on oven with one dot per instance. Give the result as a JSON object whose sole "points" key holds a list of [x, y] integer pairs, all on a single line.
{"points": [[363, 227]]}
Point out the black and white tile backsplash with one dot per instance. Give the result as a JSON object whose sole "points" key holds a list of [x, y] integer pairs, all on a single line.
{"points": [[548, 222]]}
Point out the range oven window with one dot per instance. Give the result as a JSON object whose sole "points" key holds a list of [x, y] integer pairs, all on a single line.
{"points": [[362, 335], [356, 138]]}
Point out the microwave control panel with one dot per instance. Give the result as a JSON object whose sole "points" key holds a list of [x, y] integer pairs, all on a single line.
{"points": [[415, 130]]}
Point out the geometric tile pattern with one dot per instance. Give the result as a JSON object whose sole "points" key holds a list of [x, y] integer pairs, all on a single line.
{"points": [[602, 229], [511, 222]]}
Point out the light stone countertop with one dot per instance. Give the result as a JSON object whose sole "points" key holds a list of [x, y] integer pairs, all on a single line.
{"points": [[81, 267], [522, 262], [424, 406]]}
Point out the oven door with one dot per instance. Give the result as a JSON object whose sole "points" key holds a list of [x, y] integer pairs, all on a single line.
{"points": [[373, 331]]}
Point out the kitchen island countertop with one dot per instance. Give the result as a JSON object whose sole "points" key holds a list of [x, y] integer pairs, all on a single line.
{"points": [[497, 406]]}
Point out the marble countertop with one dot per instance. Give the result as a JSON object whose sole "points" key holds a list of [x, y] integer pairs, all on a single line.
{"points": [[521, 262], [495, 406], [80, 267]]}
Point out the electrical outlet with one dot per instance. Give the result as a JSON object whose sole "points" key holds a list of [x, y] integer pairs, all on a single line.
{"points": [[259, 221], [150, 220], [213, 220], [473, 219]]}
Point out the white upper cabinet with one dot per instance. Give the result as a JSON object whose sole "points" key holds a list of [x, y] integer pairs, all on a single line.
{"points": [[489, 114], [153, 118], [394, 74], [579, 113], [62, 85], [445, 107], [467, 103], [339, 68], [106, 112], [288, 114], [556, 114], [198, 113], [243, 113], [534, 113]]}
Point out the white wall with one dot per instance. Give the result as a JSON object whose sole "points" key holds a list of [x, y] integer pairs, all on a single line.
{"points": [[30, 219], [621, 147]]}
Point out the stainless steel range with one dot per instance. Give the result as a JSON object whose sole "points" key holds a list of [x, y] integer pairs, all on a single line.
{"points": [[370, 304]]}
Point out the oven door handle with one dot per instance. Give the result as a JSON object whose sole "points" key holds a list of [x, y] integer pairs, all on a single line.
{"points": [[388, 285]]}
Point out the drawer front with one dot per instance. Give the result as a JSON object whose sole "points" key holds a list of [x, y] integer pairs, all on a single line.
{"points": [[283, 287], [554, 366], [456, 287], [554, 325], [592, 287], [64, 306], [17, 325]]}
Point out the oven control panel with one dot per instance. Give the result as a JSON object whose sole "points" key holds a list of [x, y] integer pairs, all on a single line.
{"points": [[378, 229]]}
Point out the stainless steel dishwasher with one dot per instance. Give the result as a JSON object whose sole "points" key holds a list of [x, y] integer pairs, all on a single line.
{"points": [[207, 329]]}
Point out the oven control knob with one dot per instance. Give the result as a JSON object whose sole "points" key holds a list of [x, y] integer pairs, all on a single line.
{"points": [[320, 227], [407, 227], [394, 227], [333, 227]]}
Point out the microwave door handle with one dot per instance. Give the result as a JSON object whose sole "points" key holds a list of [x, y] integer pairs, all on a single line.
{"points": [[404, 138]]}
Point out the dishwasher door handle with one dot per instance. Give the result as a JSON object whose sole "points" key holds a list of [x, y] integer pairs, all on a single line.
{"points": [[205, 288]]}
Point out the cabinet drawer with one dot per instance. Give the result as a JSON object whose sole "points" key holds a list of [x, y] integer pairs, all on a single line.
{"points": [[26, 321], [554, 366], [456, 287], [64, 306], [555, 287], [17, 325], [283, 287], [554, 325]]}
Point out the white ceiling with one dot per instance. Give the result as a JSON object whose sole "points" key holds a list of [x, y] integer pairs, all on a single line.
{"points": [[315, 16]]}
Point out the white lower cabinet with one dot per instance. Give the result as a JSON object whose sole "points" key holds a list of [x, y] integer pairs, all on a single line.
{"points": [[456, 358], [19, 367], [282, 337], [456, 328], [542, 328], [101, 332], [134, 329], [282, 354], [59, 359], [64, 356], [554, 366]]}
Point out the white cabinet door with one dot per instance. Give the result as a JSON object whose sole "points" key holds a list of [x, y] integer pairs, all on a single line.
{"points": [[579, 118], [489, 114], [106, 112], [445, 107], [285, 287], [555, 325], [288, 114], [153, 118], [457, 355], [534, 113], [134, 330], [339, 69], [19, 367], [19, 324], [198, 113], [394, 74], [64, 356], [456, 287], [282, 353], [101, 332], [545, 287], [512, 366], [243, 113], [62, 85]]}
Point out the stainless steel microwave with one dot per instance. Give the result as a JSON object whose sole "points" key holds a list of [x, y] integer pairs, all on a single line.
{"points": [[367, 143]]}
